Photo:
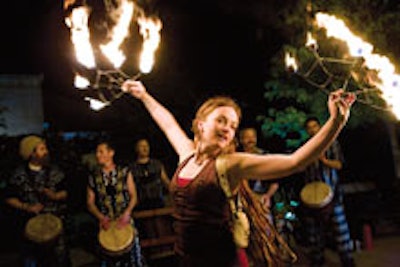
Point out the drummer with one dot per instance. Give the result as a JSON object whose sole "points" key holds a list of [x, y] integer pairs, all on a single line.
{"points": [[111, 197], [326, 169], [38, 187]]}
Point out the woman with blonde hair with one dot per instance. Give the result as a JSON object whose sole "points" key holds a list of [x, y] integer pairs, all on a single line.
{"points": [[201, 209]]}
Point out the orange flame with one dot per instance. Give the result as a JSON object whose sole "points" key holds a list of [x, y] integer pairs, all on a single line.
{"points": [[150, 30], [311, 42], [68, 3], [389, 83], [120, 31], [81, 82], [80, 36], [290, 62]]}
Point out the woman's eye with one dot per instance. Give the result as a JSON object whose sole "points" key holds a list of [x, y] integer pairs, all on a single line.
{"points": [[220, 120]]}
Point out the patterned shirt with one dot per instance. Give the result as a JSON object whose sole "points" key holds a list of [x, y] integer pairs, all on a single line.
{"points": [[27, 186], [111, 190]]}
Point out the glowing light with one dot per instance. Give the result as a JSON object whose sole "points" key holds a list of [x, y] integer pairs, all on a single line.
{"points": [[80, 36], [150, 30], [388, 80], [121, 13], [290, 62], [311, 42], [81, 82], [96, 104], [119, 32]]}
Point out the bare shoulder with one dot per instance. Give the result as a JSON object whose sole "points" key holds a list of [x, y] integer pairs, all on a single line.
{"points": [[232, 166], [186, 154]]}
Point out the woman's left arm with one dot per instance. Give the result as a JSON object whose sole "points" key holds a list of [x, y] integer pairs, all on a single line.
{"points": [[273, 166]]}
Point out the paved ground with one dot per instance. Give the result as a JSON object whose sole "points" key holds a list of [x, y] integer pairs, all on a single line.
{"points": [[384, 253]]}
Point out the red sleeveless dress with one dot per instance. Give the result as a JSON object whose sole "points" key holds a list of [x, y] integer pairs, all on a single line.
{"points": [[202, 220]]}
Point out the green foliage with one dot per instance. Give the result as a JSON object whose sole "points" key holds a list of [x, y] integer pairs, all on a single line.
{"points": [[289, 104]]}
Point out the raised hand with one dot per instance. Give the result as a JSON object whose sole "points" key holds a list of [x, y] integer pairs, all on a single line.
{"points": [[135, 88], [339, 104]]}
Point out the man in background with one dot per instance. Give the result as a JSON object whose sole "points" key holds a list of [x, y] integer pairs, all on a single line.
{"points": [[38, 187], [264, 189]]}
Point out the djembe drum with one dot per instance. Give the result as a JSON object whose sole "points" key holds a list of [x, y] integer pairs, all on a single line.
{"points": [[43, 229], [317, 196], [117, 241]]}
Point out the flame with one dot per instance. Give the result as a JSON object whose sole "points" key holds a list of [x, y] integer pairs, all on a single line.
{"points": [[81, 82], [80, 36], [290, 62], [68, 3], [122, 13], [389, 82], [311, 42], [120, 31], [96, 104], [150, 30]]}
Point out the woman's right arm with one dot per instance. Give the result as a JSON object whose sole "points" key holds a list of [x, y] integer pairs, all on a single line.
{"points": [[164, 119]]}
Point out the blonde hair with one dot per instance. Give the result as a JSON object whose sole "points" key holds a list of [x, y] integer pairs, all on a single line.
{"points": [[210, 105]]}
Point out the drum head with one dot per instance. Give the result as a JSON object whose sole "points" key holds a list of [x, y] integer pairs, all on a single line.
{"points": [[116, 240], [43, 228], [316, 194]]}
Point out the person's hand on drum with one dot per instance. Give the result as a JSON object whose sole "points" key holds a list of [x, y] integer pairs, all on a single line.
{"points": [[35, 208], [124, 219], [105, 223], [52, 195]]}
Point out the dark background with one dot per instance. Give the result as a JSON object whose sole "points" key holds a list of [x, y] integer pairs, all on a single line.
{"points": [[207, 48]]}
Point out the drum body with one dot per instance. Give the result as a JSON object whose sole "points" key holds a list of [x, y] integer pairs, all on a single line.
{"points": [[317, 197], [43, 229], [116, 241]]}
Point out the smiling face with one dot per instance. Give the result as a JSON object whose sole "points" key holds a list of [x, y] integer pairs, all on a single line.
{"points": [[219, 127], [104, 154], [248, 139]]}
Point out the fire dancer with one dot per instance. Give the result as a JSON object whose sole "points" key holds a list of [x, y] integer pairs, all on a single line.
{"points": [[202, 214]]}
